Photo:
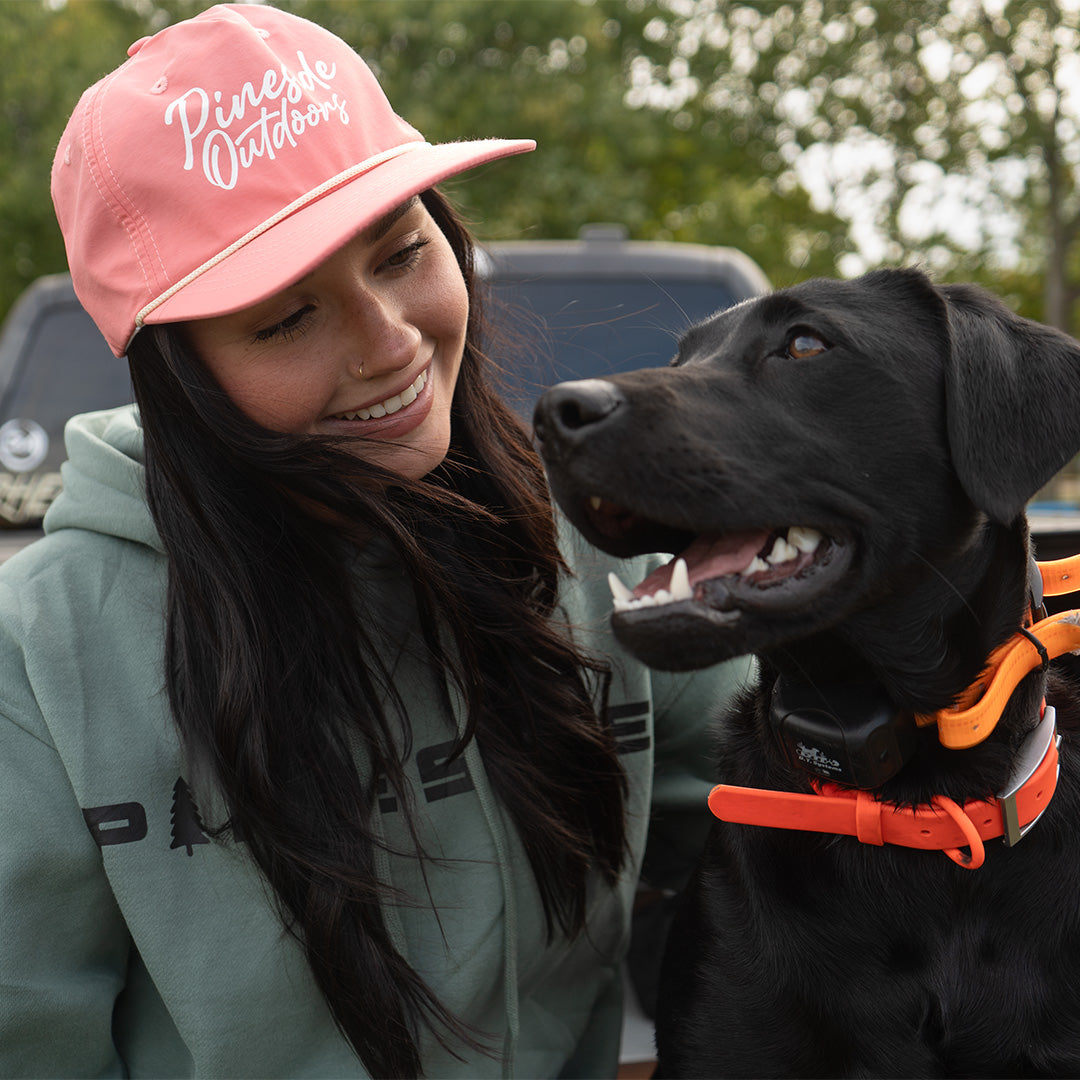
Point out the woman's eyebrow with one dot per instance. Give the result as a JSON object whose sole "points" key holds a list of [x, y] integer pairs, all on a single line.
{"points": [[378, 229]]}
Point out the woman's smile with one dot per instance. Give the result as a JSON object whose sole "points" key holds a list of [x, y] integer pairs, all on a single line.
{"points": [[393, 416]]}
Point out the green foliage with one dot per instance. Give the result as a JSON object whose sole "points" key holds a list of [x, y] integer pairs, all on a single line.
{"points": [[558, 71], [964, 114], [818, 136], [44, 66], [553, 70]]}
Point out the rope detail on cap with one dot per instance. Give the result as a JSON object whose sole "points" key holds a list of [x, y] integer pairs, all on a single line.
{"points": [[284, 212]]}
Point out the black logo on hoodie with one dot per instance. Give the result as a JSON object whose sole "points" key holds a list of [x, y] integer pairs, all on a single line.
{"points": [[187, 826], [125, 823], [441, 775]]}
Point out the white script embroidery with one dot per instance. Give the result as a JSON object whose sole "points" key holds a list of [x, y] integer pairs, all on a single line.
{"points": [[224, 153]]}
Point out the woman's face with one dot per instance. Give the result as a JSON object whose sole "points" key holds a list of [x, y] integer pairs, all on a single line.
{"points": [[369, 344]]}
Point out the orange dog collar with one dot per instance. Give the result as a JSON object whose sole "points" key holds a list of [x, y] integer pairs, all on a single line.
{"points": [[941, 826], [968, 724], [1060, 576], [974, 717]]}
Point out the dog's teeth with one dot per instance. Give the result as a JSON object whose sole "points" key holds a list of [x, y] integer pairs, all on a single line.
{"points": [[594, 501], [781, 552], [622, 596], [625, 600], [755, 566], [804, 539], [680, 581]]}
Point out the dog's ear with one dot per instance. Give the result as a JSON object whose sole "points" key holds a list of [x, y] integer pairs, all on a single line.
{"points": [[1012, 401]]}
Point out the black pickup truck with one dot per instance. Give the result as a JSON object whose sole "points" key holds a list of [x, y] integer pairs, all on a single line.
{"points": [[560, 309]]}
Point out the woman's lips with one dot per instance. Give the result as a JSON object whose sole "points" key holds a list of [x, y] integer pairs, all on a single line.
{"points": [[393, 416]]}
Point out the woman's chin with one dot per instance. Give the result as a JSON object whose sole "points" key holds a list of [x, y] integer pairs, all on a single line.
{"points": [[409, 459]]}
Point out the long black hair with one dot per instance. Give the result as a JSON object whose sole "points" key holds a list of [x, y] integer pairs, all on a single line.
{"points": [[273, 681]]}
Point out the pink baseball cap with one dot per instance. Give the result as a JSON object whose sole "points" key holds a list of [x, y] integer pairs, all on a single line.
{"points": [[224, 160]]}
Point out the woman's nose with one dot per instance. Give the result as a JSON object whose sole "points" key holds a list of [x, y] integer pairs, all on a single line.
{"points": [[386, 339]]}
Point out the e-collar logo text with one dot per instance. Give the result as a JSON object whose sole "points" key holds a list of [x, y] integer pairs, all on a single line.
{"points": [[816, 759], [224, 153]]}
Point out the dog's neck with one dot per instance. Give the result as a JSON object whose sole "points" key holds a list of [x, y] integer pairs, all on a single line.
{"points": [[949, 618], [930, 636]]}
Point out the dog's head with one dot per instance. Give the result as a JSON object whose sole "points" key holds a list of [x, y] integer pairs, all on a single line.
{"points": [[808, 453]]}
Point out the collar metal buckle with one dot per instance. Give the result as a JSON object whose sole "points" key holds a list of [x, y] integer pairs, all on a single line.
{"points": [[1032, 752]]}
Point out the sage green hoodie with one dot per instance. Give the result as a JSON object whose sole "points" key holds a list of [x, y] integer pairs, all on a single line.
{"points": [[133, 944]]}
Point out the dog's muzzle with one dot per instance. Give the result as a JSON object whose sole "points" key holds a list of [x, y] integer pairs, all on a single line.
{"points": [[573, 411]]}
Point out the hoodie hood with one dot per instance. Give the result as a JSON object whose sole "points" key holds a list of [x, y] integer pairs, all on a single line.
{"points": [[104, 481]]}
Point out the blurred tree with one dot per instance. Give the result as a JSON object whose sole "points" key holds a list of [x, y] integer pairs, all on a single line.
{"points": [[946, 132], [816, 135], [555, 70], [558, 71], [46, 60]]}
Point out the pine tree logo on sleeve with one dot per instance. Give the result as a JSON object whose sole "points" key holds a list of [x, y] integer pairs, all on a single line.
{"points": [[187, 826]]}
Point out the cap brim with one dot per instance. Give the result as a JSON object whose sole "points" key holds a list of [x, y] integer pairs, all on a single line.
{"points": [[297, 244]]}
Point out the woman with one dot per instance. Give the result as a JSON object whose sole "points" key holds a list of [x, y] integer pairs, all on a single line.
{"points": [[316, 756]]}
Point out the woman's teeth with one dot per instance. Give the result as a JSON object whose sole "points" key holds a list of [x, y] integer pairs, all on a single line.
{"points": [[391, 404]]}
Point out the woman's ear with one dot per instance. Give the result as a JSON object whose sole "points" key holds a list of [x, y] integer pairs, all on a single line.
{"points": [[1012, 401]]}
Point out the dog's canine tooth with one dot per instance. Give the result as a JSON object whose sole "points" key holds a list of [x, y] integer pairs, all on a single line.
{"points": [[680, 581], [622, 596], [595, 501], [804, 539]]}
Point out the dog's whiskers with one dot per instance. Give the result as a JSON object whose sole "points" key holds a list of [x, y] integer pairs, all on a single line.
{"points": [[951, 587], [687, 321]]}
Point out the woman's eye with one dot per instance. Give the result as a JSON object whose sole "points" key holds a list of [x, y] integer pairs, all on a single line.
{"points": [[288, 328], [803, 345], [407, 256]]}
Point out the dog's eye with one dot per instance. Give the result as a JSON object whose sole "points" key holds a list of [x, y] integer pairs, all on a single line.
{"points": [[804, 345]]}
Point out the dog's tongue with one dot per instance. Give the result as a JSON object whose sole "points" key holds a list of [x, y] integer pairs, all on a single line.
{"points": [[709, 557]]}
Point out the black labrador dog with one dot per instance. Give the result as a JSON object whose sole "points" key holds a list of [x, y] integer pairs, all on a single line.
{"points": [[842, 469]]}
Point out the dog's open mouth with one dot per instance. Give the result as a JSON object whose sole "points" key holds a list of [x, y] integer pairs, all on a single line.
{"points": [[722, 593], [752, 560]]}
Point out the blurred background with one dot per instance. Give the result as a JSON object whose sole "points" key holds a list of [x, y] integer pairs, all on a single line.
{"points": [[822, 137]]}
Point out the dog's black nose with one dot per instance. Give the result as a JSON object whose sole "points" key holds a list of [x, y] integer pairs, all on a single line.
{"points": [[568, 410]]}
